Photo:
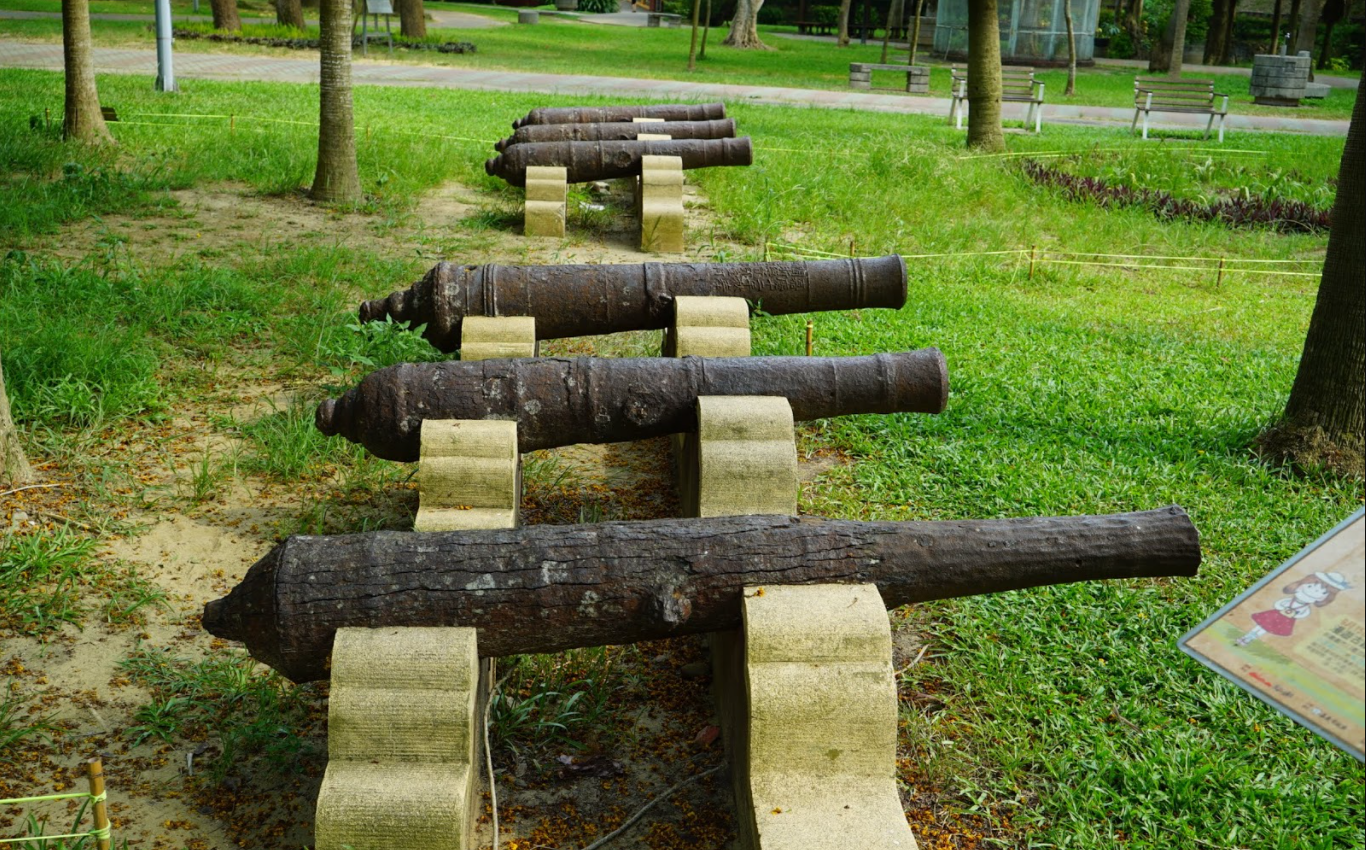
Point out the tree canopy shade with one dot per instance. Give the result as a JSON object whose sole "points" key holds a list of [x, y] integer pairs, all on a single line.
{"points": [[1323, 421], [337, 178], [82, 120]]}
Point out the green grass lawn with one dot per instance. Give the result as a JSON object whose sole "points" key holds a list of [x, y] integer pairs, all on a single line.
{"points": [[564, 46], [1081, 389]]}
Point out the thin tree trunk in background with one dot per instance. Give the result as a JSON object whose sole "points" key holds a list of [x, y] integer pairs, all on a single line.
{"points": [[894, 12], [289, 13], [225, 15], [1071, 88], [14, 468], [1214, 38], [83, 120], [1179, 14], [337, 179], [1159, 61], [1134, 25], [842, 37], [1225, 56], [706, 28], [692, 46], [984, 77], [412, 19], [1324, 416], [744, 27], [1333, 11], [915, 31], [1306, 27], [1276, 28], [1292, 23]]}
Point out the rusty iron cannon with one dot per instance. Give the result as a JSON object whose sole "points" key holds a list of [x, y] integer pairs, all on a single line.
{"points": [[582, 300], [601, 114], [559, 402], [551, 588], [588, 161], [620, 131]]}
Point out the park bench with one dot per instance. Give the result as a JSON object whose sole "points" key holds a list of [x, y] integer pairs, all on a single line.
{"points": [[917, 76], [1017, 86], [815, 28], [663, 19], [1188, 96]]}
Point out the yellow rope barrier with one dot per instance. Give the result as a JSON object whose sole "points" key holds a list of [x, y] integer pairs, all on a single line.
{"points": [[98, 833]]}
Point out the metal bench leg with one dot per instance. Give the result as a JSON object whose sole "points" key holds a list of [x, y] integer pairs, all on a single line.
{"points": [[1209, 126], [1038, 117], [1133, 125], [1145, 125], [1221, 129]]}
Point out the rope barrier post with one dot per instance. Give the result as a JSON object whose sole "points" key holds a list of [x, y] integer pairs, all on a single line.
{"points": [[766, 250], [232, 123], [810, 336], [1032, 248], [851, 248], [1219, 281], [47, 119], [94, 769]]}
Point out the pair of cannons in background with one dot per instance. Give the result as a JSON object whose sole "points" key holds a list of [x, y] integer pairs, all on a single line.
{"points": [[653, 145], [800, 642]]}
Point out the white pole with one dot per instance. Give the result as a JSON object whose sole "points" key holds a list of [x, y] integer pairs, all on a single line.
{"points": [[165, 66]]}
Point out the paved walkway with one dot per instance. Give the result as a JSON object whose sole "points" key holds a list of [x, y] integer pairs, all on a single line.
{"points": [[304, 69]]}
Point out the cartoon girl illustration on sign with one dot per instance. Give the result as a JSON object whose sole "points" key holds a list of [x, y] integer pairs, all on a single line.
{"points": [[1301, 598]]}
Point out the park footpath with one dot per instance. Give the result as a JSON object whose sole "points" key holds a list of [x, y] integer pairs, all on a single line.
{"points": [[304, 69]]}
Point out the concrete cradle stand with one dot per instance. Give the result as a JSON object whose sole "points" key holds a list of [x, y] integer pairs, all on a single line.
{"points": [[498, 337], [547, 192], [469, 475]]}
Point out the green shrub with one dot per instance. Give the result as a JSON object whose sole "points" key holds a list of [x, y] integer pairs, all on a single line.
{"points": [[598, 6]]}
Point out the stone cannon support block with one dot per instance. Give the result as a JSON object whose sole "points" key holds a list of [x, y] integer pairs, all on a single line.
{"points": [[708, 326], [743, 459], [403, 740], [469, 475], [498, 337], [661, 204], [809, 708], [528, 16], [635, 182], [547, 189]]}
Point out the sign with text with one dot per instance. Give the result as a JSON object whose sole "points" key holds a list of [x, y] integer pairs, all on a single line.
{"points": [[1297, 639]]}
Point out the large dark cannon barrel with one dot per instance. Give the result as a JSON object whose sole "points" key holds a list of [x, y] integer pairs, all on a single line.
{"points": [[585, 300], [550, 588], [600, 114], [619, 131], [559, 402], [587, 161]]}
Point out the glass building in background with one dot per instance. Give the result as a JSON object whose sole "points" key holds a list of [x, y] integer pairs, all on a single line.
{"points": [[1033, 32]]}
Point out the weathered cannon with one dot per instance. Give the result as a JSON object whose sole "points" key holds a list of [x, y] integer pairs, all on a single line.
{"points": [[550, 588], [559, 402], [617, 131], [584, 300], [600, 114], [587, 161]]}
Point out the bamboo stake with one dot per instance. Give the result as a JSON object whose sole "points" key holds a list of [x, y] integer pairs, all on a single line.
{"points": [[94, 769], [1220, 280], [1031, 261], [810, 336]]}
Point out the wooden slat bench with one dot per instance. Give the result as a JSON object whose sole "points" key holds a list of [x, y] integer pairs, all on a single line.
{"points": [[1188, 96], [814, 28], [663, 19], [917, 76], [1017, 86]]}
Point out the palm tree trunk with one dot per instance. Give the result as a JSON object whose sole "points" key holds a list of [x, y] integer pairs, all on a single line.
{"points": [[14, 468], [984, 77], [744, 27], [83, 120], [336, 179], [412, 19], [1071, 88], [289, 13], [842, 38], [225, 15], [1324, 416]]}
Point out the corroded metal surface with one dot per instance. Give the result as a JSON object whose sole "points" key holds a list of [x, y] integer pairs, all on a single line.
{"points": [[587, 161], [597, 114], [619, 131], [582, 300], [559, 402], [550, 588]]}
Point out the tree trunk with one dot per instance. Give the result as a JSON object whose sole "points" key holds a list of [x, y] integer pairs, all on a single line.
{"points": [[289, 13], [1333, 11], [412, 19], [14, 468], [1225, 56], [744, 27], [984, 77], [915, 31], [1133, 23], [1276, 28], [1307, 28], [225, 15], [842, 38], [1159, 61], [551, 588], [1323, 418], [1214, 38], [1071, 88], [692, 45], [1179, 16], [83, 120], [894, 15], [1293, 25], [337, 179], [706, 28]]}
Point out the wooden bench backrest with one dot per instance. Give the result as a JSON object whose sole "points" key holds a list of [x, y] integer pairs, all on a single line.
{"points": [[1175, 93], [1015, 81]]}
